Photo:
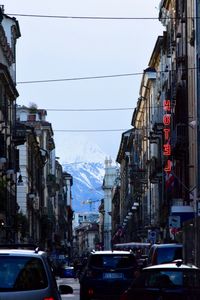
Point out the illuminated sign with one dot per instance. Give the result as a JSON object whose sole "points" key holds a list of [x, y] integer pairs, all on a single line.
{"points": [[167, 135]]}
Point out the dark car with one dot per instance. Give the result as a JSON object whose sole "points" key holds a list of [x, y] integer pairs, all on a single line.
{"points": [[164, 253], [107, 274], [27, 275], [173, 281]]}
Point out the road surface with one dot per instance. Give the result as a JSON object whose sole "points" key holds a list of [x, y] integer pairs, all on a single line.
{"points": [[74, 283]]}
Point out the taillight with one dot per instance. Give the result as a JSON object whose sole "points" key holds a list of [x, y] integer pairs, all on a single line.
{"points": [[90, 292], [49, 298]]}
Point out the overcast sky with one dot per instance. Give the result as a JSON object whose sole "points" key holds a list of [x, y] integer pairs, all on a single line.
{"points": [[66, 48]]}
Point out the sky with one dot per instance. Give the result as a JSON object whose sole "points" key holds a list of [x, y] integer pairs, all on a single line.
{"points": [[74, 48]]}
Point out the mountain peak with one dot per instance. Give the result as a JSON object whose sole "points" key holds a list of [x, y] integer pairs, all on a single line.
{"points": [[80, 149]]}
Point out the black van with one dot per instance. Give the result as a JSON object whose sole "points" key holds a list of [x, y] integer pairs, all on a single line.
{"points": [[164, 253]]}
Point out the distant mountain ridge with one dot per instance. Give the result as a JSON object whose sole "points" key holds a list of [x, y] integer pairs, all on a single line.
{"points": [[87, 185], [79, 149]]}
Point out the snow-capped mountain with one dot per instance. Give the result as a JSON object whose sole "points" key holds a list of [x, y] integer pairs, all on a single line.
{"points": [[85, 162], [87, 185], [79, 149]]}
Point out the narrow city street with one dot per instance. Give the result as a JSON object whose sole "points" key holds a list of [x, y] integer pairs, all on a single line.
{"points": [[74, 283]]}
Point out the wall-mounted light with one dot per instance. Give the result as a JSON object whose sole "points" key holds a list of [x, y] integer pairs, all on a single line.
{"points": [[133, 207]]}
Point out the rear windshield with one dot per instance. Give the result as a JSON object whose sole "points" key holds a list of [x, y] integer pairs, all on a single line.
{"points": [[169, 254], [112, 261], [169, 279], [22, 273]]}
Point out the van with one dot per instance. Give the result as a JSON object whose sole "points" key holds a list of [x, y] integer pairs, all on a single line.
{"points": [[164, 253]]}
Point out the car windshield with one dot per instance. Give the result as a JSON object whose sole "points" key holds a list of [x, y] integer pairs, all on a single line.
{"points": [[169, 279], [112, 261], [21, 273]]}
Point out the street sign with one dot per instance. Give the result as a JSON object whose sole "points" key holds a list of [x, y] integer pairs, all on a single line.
{"points": [[174, 222]]}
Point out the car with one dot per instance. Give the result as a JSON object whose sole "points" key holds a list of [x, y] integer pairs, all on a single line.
{"points": [[107, 274], [164, 253], [26, 274], [67, 271], [173, 281], [58, 261]]}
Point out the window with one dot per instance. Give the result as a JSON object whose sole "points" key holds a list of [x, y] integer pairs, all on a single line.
{"points": [[112, 261], [169, 254], [22, 274]]}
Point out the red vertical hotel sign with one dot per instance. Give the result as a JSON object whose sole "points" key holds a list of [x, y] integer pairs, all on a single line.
{"points": [[167, 135]]}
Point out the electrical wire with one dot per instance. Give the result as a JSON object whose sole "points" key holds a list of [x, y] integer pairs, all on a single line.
{"points": [[97, 17], [79, 78], [88, 109], [89, 130], [99, 77], [99, 109], [83, 17]]}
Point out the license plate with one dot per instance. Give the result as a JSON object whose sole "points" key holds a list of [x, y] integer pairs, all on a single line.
{"points": [[112, 275]]}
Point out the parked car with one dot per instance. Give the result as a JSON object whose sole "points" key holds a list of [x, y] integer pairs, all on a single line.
{"points": [[27, 274], [164, 253], [107, 274], [67, 271], [173, 281]]}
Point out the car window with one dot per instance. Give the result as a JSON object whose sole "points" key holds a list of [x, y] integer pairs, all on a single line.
{"points": [[112, 261], [169, 279], [168, 254], [22, 273], [164, 279]]}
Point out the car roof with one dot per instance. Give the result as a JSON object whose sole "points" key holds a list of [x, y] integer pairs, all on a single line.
{"points": [[110, 252], [22, 252], [174, 266]]}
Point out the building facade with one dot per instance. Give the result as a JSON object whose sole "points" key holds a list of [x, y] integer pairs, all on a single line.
{"points": [[9, 33]]}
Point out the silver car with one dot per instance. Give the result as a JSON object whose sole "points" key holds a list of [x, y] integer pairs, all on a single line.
{"points": [[27, 275]]}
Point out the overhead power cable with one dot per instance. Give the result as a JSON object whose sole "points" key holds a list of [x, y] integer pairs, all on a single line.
{"points": [[88, 109], [98, 77], [79, 78], [82, 17], [88, 130], [96, 17]]}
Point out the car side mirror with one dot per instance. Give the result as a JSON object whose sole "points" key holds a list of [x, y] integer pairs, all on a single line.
{"points": [[65, 289]]}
